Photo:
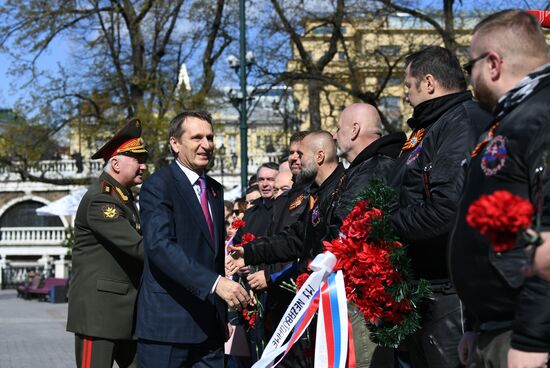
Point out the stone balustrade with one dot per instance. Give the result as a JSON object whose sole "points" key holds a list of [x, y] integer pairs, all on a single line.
{"points": [[68, 168], [32, 236]]}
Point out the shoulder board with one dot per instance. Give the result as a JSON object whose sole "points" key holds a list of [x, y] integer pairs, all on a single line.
{"points": [[121, 194]]}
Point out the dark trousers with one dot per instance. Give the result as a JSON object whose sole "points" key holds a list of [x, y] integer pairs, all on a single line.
{"points": [[155, 354], [492, 349], [435, 344], [93, 352]]}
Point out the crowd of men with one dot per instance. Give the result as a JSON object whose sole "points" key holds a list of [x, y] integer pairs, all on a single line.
{"points": [[153, 287]]}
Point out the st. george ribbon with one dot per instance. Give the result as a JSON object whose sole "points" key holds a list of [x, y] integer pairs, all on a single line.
{"points": [[324, 291]]}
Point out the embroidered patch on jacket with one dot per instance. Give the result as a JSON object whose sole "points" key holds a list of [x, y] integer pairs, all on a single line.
{"points": [[414, 155], [494, 157], [298, 201], [109, 211], [315, 217]]}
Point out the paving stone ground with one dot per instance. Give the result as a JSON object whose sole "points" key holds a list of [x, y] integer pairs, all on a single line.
{"points": [[32, 334]]}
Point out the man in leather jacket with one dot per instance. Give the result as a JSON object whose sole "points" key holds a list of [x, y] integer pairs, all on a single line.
{"points": [[371, 156], [429, 177], [510, 74]]}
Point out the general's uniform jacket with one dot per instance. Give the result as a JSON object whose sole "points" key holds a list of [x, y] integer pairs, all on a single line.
{"points": [[107, 262]]}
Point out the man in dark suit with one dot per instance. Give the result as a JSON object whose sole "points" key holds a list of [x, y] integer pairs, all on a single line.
{"points": [[181, 309], [108, 257]]}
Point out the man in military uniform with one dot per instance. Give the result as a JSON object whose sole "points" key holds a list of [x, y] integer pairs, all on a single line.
{"points": [[108, 256]]}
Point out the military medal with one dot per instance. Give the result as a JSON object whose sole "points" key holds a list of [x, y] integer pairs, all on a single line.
{"points": [[298, 201]]}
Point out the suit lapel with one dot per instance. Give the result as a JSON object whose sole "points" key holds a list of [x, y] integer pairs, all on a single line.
{"points": [[186, 191]]}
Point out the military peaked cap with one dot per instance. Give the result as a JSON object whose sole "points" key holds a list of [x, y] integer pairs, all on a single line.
{"points": [[126, 141]]}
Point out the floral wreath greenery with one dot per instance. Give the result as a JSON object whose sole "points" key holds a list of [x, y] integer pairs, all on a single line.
{"points": [[377, 274]]}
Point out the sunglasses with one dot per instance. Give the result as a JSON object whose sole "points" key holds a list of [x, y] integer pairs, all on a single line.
{"points": [[470, 64], [236, 212]]}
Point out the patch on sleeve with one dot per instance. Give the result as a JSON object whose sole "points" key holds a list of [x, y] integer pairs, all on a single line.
{"points": [[109, 211]]}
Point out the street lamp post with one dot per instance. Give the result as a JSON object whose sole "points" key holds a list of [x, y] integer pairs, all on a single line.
{"points": [[242, 66]]}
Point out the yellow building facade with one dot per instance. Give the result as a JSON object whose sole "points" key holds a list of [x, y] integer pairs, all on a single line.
{"points": [[376, 49]]}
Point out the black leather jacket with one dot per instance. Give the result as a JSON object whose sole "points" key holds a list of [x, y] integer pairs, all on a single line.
{"points": [[301, 241], [492, 285], [429, 178], [375, 162]]}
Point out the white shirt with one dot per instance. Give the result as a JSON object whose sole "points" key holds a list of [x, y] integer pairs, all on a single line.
{"points": [[194, 180]]}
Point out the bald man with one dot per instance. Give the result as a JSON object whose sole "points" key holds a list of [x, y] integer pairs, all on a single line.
{"points": [[429, 178], [510, 73], [283, 182], [371, 156], [302, 241]]}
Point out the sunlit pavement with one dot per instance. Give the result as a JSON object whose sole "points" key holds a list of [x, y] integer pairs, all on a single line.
{"points": [[32, 334]]}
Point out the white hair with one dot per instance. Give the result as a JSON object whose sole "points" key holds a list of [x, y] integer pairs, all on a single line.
{"points": [[107, 168]]}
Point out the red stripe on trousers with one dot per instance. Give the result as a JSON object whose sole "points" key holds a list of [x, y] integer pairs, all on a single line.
{"points": [[87, 352]]}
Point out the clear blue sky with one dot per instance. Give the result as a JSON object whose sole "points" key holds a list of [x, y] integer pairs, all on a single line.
{"points": [[10, 87]]}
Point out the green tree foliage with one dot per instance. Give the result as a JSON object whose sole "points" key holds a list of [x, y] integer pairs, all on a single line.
{"points": [[126, 59]]}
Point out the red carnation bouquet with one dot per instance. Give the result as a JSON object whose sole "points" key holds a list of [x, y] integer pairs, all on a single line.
{"points": [[255, 310], [377, 274], [501, 216]]}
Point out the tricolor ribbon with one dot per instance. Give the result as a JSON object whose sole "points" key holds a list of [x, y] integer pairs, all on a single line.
{"points": [[331, 345], [324, 291]]}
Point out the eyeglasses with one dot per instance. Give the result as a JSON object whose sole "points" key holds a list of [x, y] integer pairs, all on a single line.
{"points": [[236, 212], [470, 64]]}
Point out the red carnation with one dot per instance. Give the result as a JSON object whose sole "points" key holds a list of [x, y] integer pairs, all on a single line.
{"points": [[500, 216], [247, 238], [250, 317], [300, 280], [237, 224]]}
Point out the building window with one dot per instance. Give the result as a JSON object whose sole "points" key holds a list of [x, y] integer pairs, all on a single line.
{"points": [[269, 148], [258, 141], [342, 56], [23, 214], [389, 50], [390, 106], [324, 30], [390, 82]]}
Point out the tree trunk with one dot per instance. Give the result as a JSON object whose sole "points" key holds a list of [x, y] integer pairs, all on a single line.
{"points": [[314, 107], [449, 36]]}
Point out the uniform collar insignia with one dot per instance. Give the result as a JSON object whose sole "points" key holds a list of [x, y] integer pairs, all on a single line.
{"points": [[105, 187]]}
